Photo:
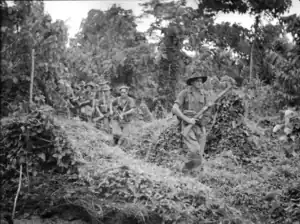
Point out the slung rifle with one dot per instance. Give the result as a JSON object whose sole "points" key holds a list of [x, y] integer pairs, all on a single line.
{"points": [[198, 116]]}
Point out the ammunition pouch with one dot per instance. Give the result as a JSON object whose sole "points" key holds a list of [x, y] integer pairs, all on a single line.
{"points": [[190, 114]]}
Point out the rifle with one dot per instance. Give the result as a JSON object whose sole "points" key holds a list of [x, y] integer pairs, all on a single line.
{"points": [[187, 129], [118, 111], [104, 101]]}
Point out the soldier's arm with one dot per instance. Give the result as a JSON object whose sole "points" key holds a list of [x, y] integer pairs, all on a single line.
{"points": [[131, 106], [112, 105], [100, 114], [176, 107]]}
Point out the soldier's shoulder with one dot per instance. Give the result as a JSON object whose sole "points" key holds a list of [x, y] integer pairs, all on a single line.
{"points": [[131, 99]]}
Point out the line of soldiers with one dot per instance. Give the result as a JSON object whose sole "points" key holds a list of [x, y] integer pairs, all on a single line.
{"points": [[116, 113], [99, 106]]}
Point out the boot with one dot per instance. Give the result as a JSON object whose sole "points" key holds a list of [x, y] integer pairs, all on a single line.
{"points": [[116, 140], [193, 162]]}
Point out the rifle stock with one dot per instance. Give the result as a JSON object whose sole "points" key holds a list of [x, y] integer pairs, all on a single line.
{"points": [[187, 129]]}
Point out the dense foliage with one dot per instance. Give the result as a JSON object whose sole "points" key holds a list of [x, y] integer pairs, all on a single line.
{"points": [[109, 46], [27, 27], [239, 52], [141, 183]]}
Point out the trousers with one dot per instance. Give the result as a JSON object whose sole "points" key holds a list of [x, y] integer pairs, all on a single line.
{"points": [[195, 141], [120, 129]]}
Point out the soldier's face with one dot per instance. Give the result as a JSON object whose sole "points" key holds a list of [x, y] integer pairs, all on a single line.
{"points": [[198, 83], [124, 92]]}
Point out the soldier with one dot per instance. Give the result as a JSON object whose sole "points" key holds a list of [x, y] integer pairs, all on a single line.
{"points": [[104, 104], [102, 85], [190, 101], [124, 107], [82, 86], [77, 90], [88, 106], [74, 101], [90, 90]]}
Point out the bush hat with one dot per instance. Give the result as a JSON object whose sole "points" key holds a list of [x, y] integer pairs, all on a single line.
{"points": [[195, 76], [123, 87]]}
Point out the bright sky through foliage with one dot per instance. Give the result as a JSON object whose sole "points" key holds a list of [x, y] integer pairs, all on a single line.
{"points": [[74, 11]]}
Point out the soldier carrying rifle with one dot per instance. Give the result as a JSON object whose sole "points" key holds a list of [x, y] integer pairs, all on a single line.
{"points": [[104, 106], [189, 107], [123, 109], [188, 102], [88, 106]]}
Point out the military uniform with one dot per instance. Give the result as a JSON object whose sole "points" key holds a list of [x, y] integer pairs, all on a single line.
{"points": [[103, 103], [190, 102], [121, 127]]}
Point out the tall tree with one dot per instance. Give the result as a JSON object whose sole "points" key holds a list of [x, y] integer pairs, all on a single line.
{"points": [[284, 60], [255, 7], [27, 27], [193, 28], [109, 46]]}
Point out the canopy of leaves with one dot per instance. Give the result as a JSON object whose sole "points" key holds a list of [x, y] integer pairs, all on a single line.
{"points": [[109, 46], [26, 27], [274, 8], [190, 29]]}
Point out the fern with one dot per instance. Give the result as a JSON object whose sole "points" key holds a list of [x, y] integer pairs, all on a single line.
{"points": [[286, 72]]}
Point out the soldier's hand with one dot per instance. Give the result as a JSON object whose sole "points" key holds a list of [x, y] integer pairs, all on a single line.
{"points": [[209, 104], [191, 121]]}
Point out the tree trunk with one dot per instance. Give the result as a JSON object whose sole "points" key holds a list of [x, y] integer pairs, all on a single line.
{"points": [[251, 61], [256, 25]]}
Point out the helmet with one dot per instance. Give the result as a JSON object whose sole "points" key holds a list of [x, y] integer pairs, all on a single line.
{"points": [[123, 87], [101, 81], [195, 76]]}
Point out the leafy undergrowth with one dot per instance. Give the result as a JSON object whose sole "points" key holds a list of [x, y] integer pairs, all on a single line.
{"points": [[266, 189], [149, 190], [262, 189], [98, 183], [264, 184], [108, 184]]}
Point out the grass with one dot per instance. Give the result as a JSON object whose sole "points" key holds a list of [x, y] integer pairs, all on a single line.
{"points": [[93, 151], [244, 186], [99, 159], [116, 185]]}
